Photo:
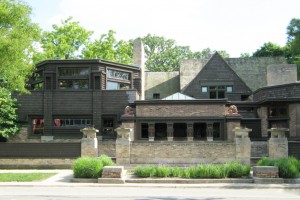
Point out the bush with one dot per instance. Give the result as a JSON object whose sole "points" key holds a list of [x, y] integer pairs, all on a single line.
{"points": [[87, 167], [144, 172], [266, 161], [90, 167], [106, 161], [236, 170], [232, 170], [287, 167]]}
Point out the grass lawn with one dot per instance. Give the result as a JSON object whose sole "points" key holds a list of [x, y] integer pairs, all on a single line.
{"points": [[24, 177]]}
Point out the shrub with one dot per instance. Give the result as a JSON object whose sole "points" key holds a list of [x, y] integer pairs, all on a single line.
{"points": [[161, 171], [176, 172], [266, 161], [287, 167], [144, 172], [236, 170], [90, 167], [87, 167], [232, 170], [106, 161]]}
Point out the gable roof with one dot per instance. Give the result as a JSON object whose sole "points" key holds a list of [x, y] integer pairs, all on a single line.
{"points": [[216, 70], [178, 96]]}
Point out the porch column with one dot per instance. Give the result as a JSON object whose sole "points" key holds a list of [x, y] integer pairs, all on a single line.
{"points": [[209, 131], [170, 131], [190, 131], [278, 143], [151, 131]]}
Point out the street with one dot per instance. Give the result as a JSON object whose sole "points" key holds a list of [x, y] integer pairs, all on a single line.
{"points": [[142, 193]]}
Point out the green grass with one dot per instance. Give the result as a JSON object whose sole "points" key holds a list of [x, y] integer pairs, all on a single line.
{"points": [[24, 177]]}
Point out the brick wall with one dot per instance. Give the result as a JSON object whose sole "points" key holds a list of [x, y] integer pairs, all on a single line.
{"points": [[107, 147], [182, 152], [181, 110]]}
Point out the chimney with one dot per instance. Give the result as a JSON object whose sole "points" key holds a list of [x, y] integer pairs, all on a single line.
{"points": [[139, 61]]}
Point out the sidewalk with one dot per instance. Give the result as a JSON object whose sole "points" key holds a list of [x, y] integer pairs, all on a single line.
{"points": [[63, 178]]}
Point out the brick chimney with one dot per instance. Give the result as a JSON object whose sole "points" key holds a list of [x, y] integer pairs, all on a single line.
{"points": [[139, 61]]}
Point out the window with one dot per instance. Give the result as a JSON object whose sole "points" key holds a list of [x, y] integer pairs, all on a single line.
{"points": [[73, 84], [74, 78], [37, 125], [216, 130], [217, 91], [156, 96], [72, 122], [118, 75], [108, 126], [278, 111], [118, 80], [117, 86], [204, 89], [160, 130], [144, 129], [229, 89], [75, 71]]}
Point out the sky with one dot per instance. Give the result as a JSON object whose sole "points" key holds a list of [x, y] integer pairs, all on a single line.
{"points": [[236, 26]]}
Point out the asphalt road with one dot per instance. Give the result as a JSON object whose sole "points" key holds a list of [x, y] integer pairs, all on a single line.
{"points": [[143, 193]]}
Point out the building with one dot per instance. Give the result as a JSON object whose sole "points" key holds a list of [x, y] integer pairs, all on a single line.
{"points": [[175, 116]]}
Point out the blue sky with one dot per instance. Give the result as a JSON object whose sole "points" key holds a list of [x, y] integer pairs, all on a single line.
{"points": [[236, 26]]}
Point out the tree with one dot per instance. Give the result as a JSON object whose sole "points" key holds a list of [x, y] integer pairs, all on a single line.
{"points": [[17, 36], [207, 52], [163, 54], [293, 32], [64, 42], [293, 29], [108, 48], [8, 114], [270, 49]]}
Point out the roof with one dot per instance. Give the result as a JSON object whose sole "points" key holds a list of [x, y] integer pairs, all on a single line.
{"points": [[178, 96]]}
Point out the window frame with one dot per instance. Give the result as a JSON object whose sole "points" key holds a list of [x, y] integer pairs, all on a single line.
{"points": [[86, 77], [117, 80]]}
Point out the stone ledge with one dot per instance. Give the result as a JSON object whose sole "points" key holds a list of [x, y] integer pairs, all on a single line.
{"points": [[265, 172], [268, 180], [111, 180], [84, 180], [113, 172]]}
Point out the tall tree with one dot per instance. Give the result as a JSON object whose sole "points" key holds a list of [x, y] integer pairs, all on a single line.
{"points": [[17, 35], [293, 37], [163, 54], [270, 49], [108, 48], [64, 42]]}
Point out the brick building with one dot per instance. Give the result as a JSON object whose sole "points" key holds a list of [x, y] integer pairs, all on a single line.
{"points": [[179, 111]]}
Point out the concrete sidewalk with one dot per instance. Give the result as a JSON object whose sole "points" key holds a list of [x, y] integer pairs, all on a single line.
{"points": [[63, 178]]}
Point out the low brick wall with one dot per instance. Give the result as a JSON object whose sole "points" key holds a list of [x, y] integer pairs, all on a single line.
{"points": [[107, 147], [29, 163], [182, 152]]}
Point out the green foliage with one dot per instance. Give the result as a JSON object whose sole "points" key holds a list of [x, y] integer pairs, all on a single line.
{"points": [[235, 170], [106, 161], [270, 49], [90, 167], [108, 48], [293, 29], [288, 167], [230, 170], [8, 115], [17, 37], [165, 55], [64, 42]]}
